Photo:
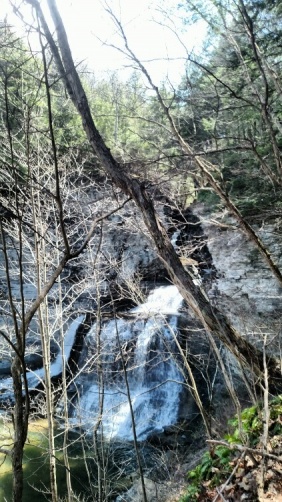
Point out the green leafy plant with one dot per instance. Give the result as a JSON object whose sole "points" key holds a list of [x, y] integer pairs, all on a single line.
{"points": [[216, 464], [276, 408], [209, 198], [192, 493], [251, 424], [276, 416], [214, 467]]}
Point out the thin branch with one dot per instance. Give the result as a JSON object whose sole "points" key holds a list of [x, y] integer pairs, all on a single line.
{"points": [[246, 449]]}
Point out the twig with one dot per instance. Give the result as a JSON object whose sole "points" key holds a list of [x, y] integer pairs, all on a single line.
{"points": [[229, 478], [219, 494], [5, 451], [249, 451]]}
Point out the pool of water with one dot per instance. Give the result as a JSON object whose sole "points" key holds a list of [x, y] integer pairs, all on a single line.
{"points": [[82, 460]]}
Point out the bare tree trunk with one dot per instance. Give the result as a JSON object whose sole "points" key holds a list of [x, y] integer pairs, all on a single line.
{"points": [[20, 430], [65, 395], [45, 343], [21, 407], [212, 320], [18, 369]]}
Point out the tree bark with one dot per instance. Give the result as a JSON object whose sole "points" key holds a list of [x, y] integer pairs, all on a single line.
{"points": [[213, 320], [20, 430]]}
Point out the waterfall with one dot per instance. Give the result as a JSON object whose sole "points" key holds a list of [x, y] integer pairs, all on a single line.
{"points": [[56, 367], [34, 378], [163, 300], [155, 381], [144, 344]]}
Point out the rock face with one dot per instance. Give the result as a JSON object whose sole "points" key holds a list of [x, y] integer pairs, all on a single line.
{"points": [[245, 287], [155, 492]]}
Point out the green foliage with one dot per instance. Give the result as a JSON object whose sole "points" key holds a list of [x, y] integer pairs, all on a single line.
{"points": [[275, 416], [214, 467], [251, 424], [216, 464], [276, 408], [25, 139], [208, 197], [230, 104], [125, 115], [192, 493]]}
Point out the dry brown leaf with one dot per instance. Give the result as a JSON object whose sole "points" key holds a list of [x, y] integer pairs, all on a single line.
{"points": [[244, 484]]}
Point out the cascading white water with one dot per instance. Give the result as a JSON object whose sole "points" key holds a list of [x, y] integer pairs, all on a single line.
{"points": [[163, 300], [155, 381], [35, 377], [56, 367], [147, 349]]}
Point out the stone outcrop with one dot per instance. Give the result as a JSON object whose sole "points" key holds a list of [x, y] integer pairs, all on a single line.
{"points": [[245, 287], [155, 492]]}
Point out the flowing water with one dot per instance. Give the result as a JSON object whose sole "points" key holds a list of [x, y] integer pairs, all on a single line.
{"points": [[144, 348], [35, 377]]}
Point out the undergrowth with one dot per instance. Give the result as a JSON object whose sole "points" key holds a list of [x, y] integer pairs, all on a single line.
{"points": [[217, 464]]}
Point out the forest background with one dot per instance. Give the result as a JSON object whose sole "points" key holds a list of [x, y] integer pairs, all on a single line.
{"points": [[215, 138]]}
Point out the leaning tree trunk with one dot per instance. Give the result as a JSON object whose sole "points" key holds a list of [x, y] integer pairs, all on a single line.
{"points": [[212, 319]]}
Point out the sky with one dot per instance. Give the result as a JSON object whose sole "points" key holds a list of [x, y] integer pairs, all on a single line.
{"points": [[149, 32]]}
